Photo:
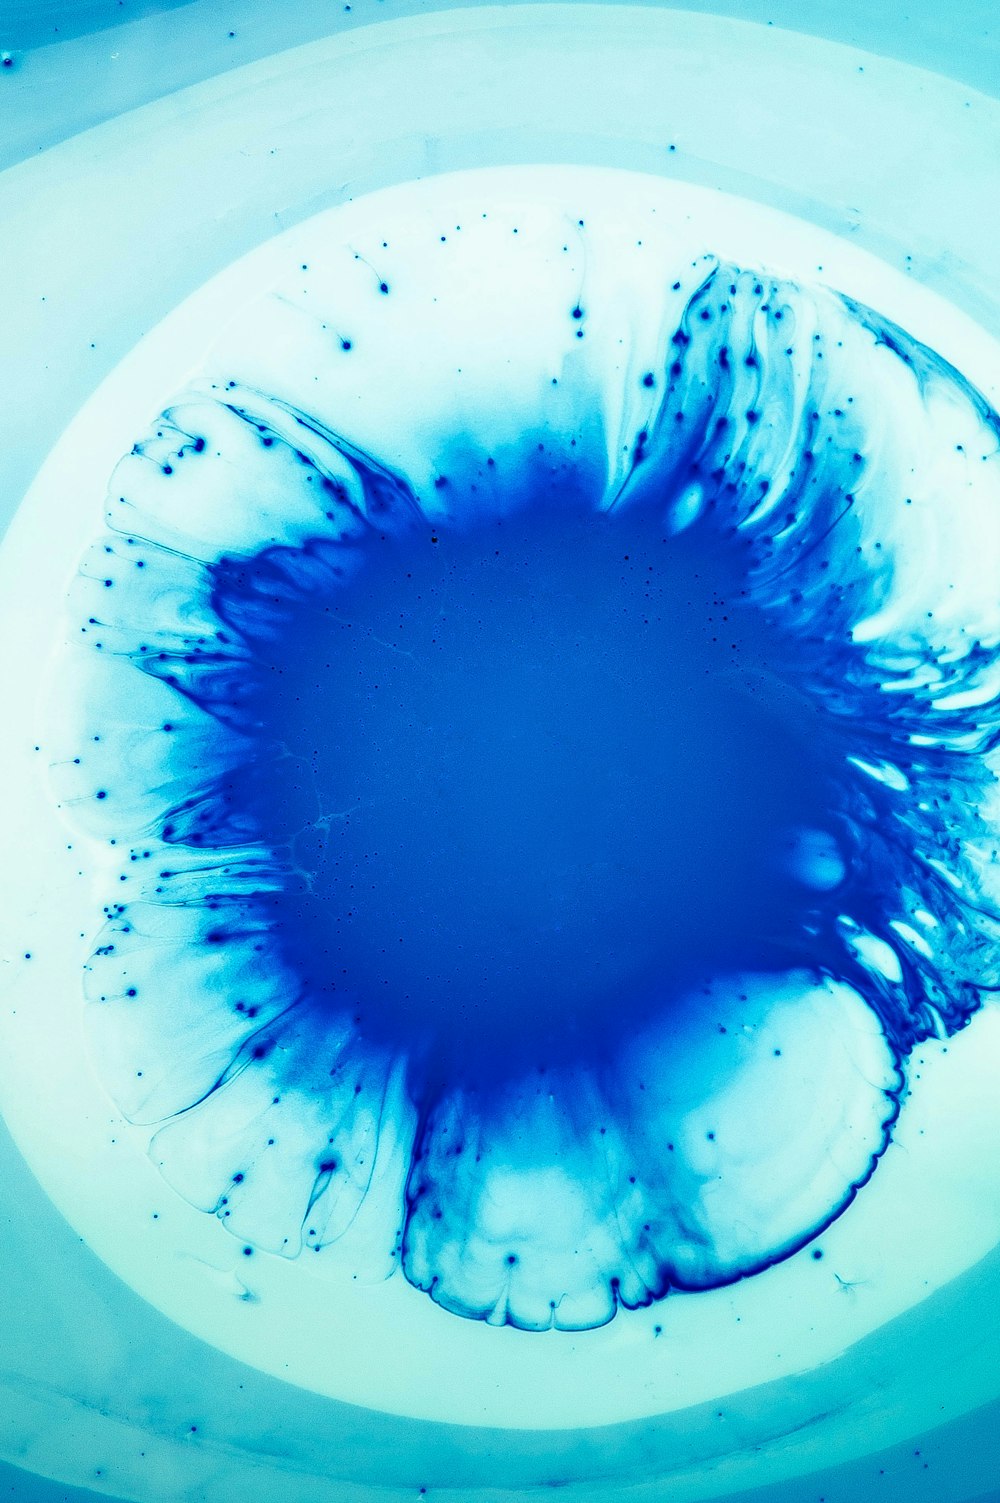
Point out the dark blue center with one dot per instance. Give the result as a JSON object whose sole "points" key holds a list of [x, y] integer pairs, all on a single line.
{"points": [[530, 775]]}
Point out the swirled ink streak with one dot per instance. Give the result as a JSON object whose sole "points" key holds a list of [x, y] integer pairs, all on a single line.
{"points": [[539, 882]]}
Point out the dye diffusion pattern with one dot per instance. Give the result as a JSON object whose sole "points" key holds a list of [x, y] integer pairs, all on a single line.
{"points": [[532, 867]]}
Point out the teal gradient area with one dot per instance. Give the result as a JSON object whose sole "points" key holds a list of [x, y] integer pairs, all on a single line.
{"points": [[206, 39], [296, 1445], [148, 1354]]}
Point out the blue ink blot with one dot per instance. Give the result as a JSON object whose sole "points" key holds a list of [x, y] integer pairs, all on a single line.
{"points": [[542, 890]]}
